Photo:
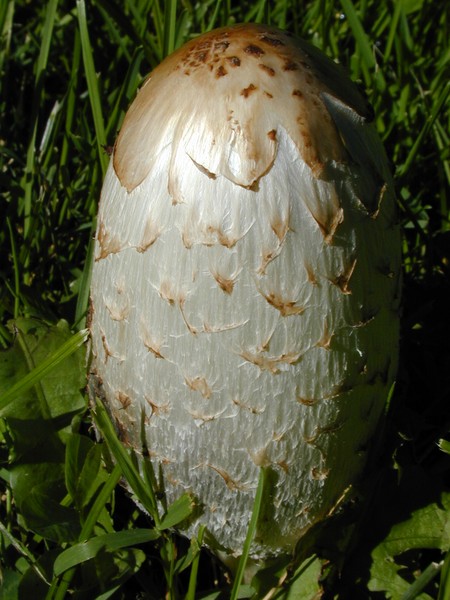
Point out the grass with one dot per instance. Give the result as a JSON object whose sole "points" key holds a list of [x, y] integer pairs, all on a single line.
{"points": [[68, 71]]}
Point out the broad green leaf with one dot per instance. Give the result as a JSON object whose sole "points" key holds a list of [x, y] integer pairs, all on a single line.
{"points": [[305, 581], [427, 527], [49, 358], [177, 512], [110, 542], [9, 587], [107, 571], [38, 489]]}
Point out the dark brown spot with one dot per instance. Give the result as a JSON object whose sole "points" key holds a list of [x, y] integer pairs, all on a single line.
{"points": [[342, 280], [254, 50], [307, 401], [268, 95], [271, 41], [248, 90], [297, 93], [267, 69], [272, 135], [225, 284], [234, 61], [201, 56], [290, 66], [108, 149], [221, 46], [221, 71]]}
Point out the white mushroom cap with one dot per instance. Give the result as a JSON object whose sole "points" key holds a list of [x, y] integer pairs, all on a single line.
{"points": [[245, 289]]}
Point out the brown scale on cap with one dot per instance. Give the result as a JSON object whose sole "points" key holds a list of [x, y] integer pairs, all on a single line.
{"points": [[268, 68]]}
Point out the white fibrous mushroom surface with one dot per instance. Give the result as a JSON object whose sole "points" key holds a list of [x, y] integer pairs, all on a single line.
{"points": [[245, 289]]}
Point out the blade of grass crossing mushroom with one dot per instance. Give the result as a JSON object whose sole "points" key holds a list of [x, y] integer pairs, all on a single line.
{"points": [[85, 283], [145, 495], [250, 533], [194, 568]]}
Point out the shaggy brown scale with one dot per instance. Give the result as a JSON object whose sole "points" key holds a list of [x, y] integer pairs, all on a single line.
{"points": [[245, 288]]}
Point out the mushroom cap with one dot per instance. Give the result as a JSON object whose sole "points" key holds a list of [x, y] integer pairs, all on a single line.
{"points": [[225, 94], [245, 288]]}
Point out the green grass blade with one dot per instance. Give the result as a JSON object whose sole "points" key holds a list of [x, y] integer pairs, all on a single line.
{"points": [[429, 122], [170, 21], [368, 64], [194, 568], [6, 22], [444, 587], [359, 33], [23, 551], [28, 178], [422, 581], [100, 502], [92, 83], [250, 533], [393, 29], [145, 495], [83, 294], [16, 268]]}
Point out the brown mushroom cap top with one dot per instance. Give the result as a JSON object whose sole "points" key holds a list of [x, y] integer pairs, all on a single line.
{"points": [[221, 99]]}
